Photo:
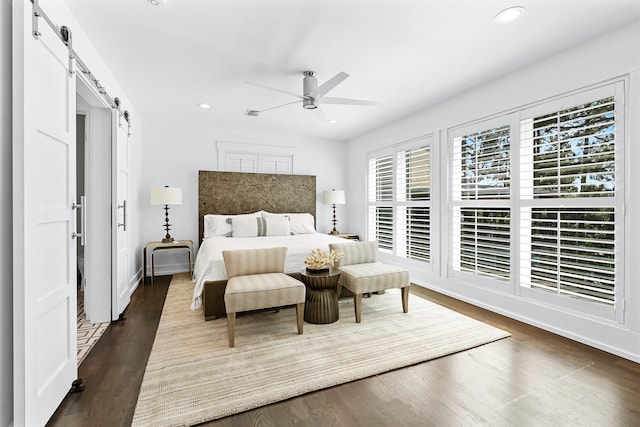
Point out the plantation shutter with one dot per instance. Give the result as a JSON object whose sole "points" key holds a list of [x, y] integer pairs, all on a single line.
{"points": [[399, 199], [570, 251], [413, 194], [569, 198], [481, 222], [380, 201], [482, 242]]}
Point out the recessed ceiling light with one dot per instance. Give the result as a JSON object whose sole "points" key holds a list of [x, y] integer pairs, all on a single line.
{"points": [[157, 2], [203, 105], [510, 14], [332, 121]]}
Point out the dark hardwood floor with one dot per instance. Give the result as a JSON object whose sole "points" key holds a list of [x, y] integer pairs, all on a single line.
{"points": [[533, 378], [113, 370]]}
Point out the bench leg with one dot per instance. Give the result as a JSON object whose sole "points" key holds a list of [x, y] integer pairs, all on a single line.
{"points": [[357, 304], [231, 327], [300, 316], [405, 299]]}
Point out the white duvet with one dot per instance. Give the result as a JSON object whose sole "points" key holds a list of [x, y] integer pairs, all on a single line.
{"points": [[210, 265]]}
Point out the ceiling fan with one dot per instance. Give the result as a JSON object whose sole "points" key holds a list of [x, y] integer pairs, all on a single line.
{"points": [[312, 94]]}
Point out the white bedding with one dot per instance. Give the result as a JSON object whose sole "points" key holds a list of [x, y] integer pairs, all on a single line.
{"points": [[210, 265]]}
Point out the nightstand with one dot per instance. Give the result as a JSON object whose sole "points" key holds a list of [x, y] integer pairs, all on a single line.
{"points": [[185, 245], [348, 236]]}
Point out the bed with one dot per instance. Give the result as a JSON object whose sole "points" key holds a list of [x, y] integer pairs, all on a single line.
{"points": [[230, 202]]}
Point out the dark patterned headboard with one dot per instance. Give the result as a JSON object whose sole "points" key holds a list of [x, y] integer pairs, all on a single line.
{"points": [[237, 193]]}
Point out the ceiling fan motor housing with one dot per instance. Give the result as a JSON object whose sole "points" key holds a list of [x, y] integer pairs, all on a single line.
{"points": [[310, 90]]}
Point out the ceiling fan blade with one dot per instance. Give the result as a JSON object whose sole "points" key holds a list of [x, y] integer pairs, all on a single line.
{"points": [[331, 83], [275, 89], [278, 106], [346, 101], [255, 113]]}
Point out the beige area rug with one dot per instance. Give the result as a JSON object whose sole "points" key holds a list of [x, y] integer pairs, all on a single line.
{"points": [[193, 376]]}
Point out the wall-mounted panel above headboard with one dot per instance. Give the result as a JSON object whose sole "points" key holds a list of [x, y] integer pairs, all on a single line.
{"points": [[230, 193]]}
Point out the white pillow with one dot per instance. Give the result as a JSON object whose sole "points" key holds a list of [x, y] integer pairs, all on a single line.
{"points": [[299, 223], [217, 225], [246, 226], [276, 226]]}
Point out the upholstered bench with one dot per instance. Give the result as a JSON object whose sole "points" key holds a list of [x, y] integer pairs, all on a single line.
{"points": [[256, 281], [362, 273]]}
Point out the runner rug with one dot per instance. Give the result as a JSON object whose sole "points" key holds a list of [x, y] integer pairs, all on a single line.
{"points": [[192, 375]]}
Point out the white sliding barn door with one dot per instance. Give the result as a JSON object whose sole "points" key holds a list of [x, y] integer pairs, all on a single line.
{"points": [[121, 291], [44, 251]]}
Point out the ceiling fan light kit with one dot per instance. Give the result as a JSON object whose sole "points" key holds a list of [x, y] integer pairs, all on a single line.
{"points": [[309, 90]]}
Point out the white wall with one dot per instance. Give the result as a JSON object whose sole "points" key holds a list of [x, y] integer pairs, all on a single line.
{"points": [[173, 155], [613, 55], [6, 254]]}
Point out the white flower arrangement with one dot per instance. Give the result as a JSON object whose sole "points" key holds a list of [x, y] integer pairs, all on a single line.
{"points": [[320, 259]]}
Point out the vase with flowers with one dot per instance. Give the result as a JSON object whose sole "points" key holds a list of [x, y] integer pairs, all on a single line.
{"points": [[321, 261]]}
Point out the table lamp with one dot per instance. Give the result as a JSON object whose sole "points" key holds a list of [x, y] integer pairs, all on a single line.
{"points": [[166, 196], [333, 197]]}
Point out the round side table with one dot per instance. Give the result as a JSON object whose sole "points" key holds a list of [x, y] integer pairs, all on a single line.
{"points": [[321, 302]]}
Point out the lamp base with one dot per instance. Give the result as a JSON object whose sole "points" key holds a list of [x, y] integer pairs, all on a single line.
{"points": [[334, 231], [167, 226]]}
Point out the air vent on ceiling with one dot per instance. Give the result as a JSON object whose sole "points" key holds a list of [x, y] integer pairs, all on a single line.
{"points": [[252, 113]]}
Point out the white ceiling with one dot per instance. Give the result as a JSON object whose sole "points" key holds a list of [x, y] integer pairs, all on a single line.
{"points": [[406, 54]]}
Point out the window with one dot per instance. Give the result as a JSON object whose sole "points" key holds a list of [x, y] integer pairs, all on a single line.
{"points": [[481, 201], [558, 218], [568, 215], [399, 197], [244, 157]]}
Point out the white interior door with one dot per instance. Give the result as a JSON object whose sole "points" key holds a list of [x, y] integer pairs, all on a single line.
{"points": [[121, 290], [44, 252]]}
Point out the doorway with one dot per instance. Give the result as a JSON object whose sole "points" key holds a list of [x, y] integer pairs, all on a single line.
{"points": [[88, 332], [93, 221]]}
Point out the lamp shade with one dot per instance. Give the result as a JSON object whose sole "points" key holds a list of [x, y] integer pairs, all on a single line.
{"points": [[166, 196], [333, 197]]}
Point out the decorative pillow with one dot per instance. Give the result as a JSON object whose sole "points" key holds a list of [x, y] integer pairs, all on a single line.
{"points": [[276, 226], [299, 223], [247, 226], [258, 226], [218, 225]]}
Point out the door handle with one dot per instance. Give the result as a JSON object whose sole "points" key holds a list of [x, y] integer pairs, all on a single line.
{"points": [[82, 206], [123, 206]]}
